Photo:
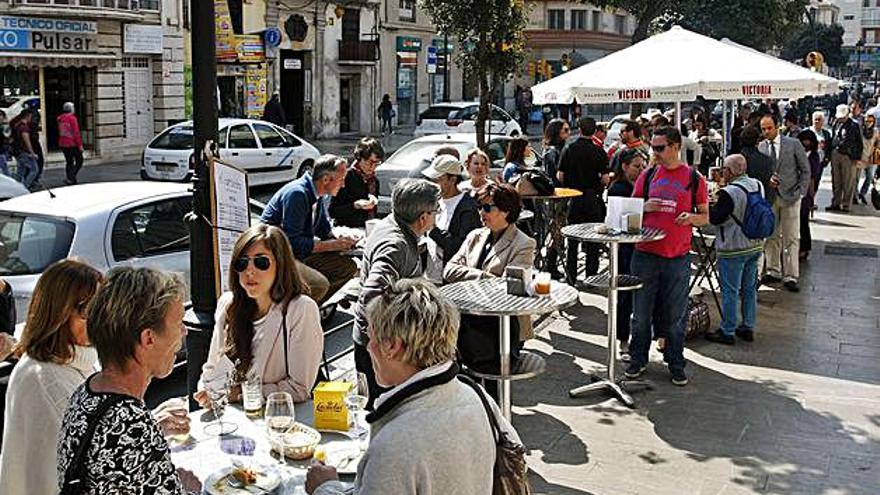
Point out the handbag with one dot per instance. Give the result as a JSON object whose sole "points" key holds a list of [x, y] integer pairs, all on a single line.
{"points": [[510, 475], [534, 182], [698, 319], [75, 475]]}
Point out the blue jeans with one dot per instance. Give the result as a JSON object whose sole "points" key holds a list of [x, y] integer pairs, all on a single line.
{"points": [[666, 280], [739, 282], [27, 169], [869, 177], [4, 163]]}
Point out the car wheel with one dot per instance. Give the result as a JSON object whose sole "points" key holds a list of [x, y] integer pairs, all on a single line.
{"points": [[304, 167]]}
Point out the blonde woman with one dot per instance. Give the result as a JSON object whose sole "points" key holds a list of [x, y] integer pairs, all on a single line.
{"points": [[57, 359], [267, 299], [477, 164]]}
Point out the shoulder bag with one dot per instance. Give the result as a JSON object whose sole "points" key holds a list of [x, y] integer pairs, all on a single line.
{"points": [[511, 471], [75, 476]]}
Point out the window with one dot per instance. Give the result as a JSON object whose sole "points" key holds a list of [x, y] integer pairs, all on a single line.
{"points": [[499, 115], [620, 24], [290, 139], [407, 10], [241, 136], [556, 19], [268, 137], [31, 243], [152, 229], [597, 21], [578, 20], [175, 138], [185, 13]]}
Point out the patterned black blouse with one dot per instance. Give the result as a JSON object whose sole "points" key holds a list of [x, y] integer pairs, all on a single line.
{"points": [[128, 453]]}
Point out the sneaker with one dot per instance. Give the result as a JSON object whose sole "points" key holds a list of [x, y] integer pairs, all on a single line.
{"points": [[634, 370], [746, 334], [792, 286], [770, 279], [678, 377], [719, 337], [623, 351]]}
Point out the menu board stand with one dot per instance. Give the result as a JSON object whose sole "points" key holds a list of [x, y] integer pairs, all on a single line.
{"points": [[230, 216]]}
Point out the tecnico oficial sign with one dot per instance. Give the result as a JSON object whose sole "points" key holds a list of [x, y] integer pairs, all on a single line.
{"points": [[47, 35]]}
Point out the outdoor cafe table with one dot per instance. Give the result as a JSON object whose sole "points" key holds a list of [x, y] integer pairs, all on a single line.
{"points": [[489, 297], [612, 282], [205, 454]]}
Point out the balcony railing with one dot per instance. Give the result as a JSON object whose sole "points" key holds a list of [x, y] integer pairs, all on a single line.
{"points": [[126, 5], [358, 51]]}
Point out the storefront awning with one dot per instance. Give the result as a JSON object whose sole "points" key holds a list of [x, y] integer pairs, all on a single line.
{"points": [[47, 59]]}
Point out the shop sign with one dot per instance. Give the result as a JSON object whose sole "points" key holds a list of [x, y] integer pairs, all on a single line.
{"points": [[293, 63], [47, 35], [250, 48], [138, 38], [225, 37], [256, 92], [409, 44], [439, 44]]}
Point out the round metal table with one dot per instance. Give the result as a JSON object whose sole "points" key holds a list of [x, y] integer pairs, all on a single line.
{"points": [[489, 297], [613, 282]]}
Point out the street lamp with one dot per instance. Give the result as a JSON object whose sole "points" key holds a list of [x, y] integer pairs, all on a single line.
{"points": [[811, 18]]}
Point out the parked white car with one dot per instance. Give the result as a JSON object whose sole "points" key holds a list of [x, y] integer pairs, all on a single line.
{"points": [[105, 224], [10, 188], [460, 117], [267, 152]]}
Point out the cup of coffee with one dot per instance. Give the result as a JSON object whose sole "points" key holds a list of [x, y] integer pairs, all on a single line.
{"points": [[369, 226]]}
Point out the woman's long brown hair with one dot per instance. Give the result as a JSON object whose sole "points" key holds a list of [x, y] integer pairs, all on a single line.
{"points": [[242, 310], [63, 289]]}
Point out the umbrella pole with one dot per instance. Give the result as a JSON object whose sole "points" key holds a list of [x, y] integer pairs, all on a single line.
{"points": [[724, 135], [678, 114]]}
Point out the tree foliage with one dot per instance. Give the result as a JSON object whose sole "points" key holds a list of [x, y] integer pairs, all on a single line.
{"points": [[824, 38], [490, 34], [760, 24]]}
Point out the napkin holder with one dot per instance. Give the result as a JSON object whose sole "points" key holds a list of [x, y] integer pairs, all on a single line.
{"points": [[329, 403]]}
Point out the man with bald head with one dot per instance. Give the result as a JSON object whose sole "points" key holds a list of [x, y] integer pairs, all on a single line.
{"points": [[790, 179], [737, 254]]}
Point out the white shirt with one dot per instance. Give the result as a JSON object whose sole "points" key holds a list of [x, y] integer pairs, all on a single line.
{"points": [[36, 400], [447, 209], [820, 139], [773, 150]]}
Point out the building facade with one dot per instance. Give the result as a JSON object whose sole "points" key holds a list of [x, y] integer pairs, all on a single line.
{"points": [[119, 61]]}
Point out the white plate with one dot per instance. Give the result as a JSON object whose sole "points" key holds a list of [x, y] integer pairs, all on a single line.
{"points": [[216, 483]]}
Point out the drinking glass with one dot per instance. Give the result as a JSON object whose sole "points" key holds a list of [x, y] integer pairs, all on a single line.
{"points": [[280, 417], [356, 403], [218, 393], [252, 396]]}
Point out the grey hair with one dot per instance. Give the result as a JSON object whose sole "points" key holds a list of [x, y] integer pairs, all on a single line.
{"points": [[736, 163], [67, 107], [326, 165], [130, 301], [412, 197], [414, 312], [819, 113]]}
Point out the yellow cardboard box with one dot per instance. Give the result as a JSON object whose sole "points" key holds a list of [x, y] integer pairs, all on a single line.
{"points": [[330, 410]]}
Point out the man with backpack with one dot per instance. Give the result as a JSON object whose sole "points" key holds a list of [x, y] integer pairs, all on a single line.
{"points": [[676, 201], [744, 218]]}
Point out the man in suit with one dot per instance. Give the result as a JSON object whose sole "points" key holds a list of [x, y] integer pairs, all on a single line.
{"points": [[790, 179], [846, 151], [458, 215], [299, 209]]}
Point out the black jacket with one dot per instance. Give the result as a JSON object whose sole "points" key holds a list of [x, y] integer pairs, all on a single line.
{"points": [[274, 112], [342, 208], [760, 167], [7, 311], [848, 139], [465, 219]]}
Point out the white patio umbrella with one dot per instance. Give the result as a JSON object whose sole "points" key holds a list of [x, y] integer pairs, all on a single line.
{"points": [[677, 66]]}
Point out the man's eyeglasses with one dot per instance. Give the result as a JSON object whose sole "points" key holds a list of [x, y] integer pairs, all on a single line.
{"points": [[487, 207], [261, 262]]}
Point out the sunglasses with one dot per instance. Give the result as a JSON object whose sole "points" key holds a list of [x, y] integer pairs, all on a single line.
{"points": [[261, 262], [487, 207], [658, 148]]}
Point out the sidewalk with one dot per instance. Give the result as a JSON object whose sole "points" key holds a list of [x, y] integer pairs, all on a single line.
{"points": [[795, 412]]}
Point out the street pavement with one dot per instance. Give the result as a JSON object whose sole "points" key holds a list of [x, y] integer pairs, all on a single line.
{"points": [[795, 412]]}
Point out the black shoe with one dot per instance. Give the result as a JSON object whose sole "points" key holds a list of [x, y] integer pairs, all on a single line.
{"points": [[770, 279], [745, 334], [792, 286], [678, 377], [862, 199], [832, 208], [720, 337], [634, 370]]}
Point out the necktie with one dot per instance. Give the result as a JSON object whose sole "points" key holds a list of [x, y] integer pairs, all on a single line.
{"points": [[773, 151]]}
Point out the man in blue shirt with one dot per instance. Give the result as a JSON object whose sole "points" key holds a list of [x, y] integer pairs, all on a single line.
{"points": [[298, 208]]}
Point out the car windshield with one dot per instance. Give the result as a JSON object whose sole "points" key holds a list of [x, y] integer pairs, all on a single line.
{"points": [[416, 152], [175, 138], [28, 244], [438, 113]]}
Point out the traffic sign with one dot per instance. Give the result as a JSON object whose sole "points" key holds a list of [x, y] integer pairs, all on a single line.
{"points": [[432, 59], [272, 37]]}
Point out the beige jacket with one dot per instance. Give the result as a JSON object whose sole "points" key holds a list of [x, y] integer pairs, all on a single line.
{"points": [[514, 248], [305, 347]]}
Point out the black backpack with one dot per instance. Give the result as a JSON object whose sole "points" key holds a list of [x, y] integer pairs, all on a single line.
{"points": [[692, 186]]}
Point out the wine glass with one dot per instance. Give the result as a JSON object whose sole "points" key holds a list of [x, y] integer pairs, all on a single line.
{"points": [[280, 417], [218, 393]]}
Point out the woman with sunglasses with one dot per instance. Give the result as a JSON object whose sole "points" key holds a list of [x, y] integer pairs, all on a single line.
{"points": [[57, 358], [266, 325], [486, 253]]}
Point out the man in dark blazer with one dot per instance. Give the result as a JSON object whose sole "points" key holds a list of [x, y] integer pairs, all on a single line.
{"points": [[758, 165], [790, 179], [458, 215]]}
